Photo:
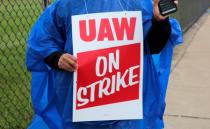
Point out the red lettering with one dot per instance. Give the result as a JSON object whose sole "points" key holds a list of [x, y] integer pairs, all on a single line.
{"points": [[124, 27], [88, 37], [105, 30]]}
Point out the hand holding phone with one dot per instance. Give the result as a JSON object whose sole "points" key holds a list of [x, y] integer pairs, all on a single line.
{"points": [[167, 7]]}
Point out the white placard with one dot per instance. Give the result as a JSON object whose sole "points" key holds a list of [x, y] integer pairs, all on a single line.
{"points": [[109, 50]]}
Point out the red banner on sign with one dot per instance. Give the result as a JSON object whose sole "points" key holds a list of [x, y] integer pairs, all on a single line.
{"points": [[109, 83]]}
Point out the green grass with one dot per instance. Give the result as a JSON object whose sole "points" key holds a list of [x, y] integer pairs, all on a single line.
{"points": [[16, 19]]}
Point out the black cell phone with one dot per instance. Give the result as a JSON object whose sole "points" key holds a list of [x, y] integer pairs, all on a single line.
{"points": [[167, 7]]}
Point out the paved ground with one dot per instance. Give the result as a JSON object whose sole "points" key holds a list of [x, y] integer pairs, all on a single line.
{"points": [[188, 96]]}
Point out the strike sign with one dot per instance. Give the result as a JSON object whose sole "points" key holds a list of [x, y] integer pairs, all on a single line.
{"points": [[109, 51]]}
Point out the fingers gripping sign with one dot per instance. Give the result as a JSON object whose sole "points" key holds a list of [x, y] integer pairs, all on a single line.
{"points": [[68, 62]]}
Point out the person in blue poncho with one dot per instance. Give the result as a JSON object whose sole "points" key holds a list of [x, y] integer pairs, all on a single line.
{"points": [[50, 61]]}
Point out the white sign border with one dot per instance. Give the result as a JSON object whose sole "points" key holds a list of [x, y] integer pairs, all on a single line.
{"points": [[106, 109]]}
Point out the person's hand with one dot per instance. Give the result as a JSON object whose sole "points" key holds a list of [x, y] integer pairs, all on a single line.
{"points": [[68, 62], [156, 11]]}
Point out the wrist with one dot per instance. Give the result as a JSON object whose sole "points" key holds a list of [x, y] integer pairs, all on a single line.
{"points": [[53, 59]]}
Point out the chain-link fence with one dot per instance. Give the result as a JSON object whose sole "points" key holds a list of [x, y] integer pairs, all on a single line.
{"points": [[16, 19]]}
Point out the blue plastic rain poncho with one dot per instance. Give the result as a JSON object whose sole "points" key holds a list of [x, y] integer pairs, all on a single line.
{"points": [[51, 90]]}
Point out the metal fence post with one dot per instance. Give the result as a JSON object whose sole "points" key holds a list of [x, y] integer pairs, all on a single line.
{"points": [[45, 3]]}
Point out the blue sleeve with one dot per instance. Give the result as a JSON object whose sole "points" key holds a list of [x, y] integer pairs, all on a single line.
{"points": [[176, 33], [164, 60], [47, 36]]}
